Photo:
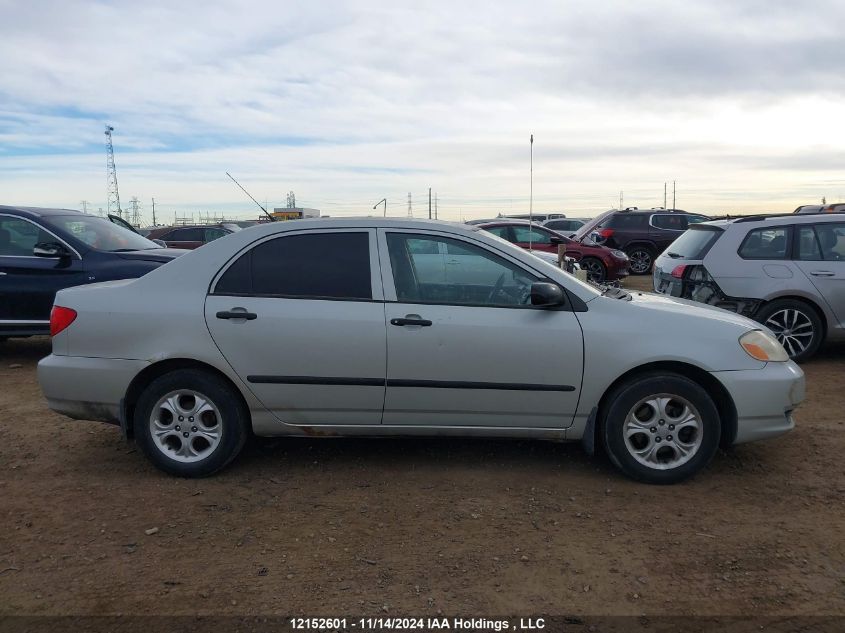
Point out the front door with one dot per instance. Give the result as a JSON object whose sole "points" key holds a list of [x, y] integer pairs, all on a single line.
{"points": [[300, 319], [820, 255], [28, 284], [465, 348]]}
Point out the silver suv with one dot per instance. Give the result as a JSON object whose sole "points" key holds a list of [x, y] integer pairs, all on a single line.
{"points": [[785, 271]]}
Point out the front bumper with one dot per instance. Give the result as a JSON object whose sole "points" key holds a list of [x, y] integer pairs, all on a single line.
{"points": [[85, 388], [764, 399]]}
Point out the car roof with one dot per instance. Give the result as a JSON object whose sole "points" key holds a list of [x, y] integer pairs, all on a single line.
{"points": [[38, 212], [778, 219]]}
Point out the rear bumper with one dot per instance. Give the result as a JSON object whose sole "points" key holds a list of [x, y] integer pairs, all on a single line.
{"points": [[764, 399], [87, 388]]}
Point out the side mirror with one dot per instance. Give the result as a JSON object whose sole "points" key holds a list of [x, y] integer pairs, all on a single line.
{"points": [[545, 294], [50, 249], [554, 239]]}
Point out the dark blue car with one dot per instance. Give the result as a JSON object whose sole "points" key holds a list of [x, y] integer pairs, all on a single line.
{"points": [[45, 250]]}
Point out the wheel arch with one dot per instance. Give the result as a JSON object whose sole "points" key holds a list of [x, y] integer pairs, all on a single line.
{"points": [[640, 243], [721, 397], [160, 368]]}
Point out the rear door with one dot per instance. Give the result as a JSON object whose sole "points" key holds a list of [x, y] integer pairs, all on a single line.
{"points": [[311, 341], [28, 284], [470, 351], [820, 254]]}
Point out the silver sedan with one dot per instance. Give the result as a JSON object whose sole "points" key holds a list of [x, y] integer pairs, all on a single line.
{"points": [[382, 327]]}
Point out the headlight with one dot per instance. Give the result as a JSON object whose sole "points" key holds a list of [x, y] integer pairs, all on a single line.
{"points": [[762, 346], [618, 254]]}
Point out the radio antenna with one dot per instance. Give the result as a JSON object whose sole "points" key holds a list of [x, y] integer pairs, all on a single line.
{"points": [[272, 219]]}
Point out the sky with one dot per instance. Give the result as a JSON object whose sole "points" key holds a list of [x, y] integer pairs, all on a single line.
{"points": [[345, 103]]}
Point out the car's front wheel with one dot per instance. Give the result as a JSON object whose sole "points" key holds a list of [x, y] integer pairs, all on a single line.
{"points": [[595, 269], [189, 423], [660, 428]]}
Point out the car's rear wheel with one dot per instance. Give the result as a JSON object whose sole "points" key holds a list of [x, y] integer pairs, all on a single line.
{"points": [[796, 326], [595, 269], [640, 259], [660, 428], [190, 423]]}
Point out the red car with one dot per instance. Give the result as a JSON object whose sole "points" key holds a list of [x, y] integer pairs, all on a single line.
{"points": [[601, 263]]}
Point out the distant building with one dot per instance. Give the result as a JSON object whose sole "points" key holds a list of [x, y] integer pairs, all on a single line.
{"points": [[294, 213]]}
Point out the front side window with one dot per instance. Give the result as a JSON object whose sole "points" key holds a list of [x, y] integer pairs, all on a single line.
{"points": [[765, 244], [186, 235], [525, 234], [19, 237], [315, 266], [99, 233], [832, 241], [500, 231], [432, 269]]}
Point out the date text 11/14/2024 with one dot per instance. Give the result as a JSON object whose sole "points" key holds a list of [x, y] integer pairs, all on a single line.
{"points": [[415, 624]]}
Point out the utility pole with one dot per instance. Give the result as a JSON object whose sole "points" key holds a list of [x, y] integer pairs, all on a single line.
{"points": [[620, 200], [113, 203], [435, 205], [410, 208], [531, 193], [673, 195], [384, 200], [664, 195], [154, 211], [429, 203]]}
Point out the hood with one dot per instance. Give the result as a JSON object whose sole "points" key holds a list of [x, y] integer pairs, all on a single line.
{"points": [[154, 254], [685, 307]]}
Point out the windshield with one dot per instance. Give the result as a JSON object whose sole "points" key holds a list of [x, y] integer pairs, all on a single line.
{"points": [[100, 233], [590, 226]]}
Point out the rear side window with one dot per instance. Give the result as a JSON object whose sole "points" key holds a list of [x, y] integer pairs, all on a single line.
{"points": [[670, 222], [186, 235], [695, 243], [626, 221], [320, 265], [832, 241], [770, 243], [808, 245]]}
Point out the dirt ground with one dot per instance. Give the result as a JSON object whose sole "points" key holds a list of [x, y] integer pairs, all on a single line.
{"points": [[415, 527]]}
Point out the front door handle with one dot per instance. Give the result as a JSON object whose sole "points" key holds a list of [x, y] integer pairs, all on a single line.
{"points": [[406, 321], [237, 314], [822, 273]]}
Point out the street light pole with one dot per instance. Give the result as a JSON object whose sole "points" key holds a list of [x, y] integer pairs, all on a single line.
{"points": [[384, 200], [531, 195]]}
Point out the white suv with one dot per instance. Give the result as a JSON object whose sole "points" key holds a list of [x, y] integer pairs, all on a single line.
{"points": [[785, 271]]}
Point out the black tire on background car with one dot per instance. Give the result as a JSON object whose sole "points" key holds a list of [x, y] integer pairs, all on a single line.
{"points": [[641, 259], [594, 267], [190, 423], [795, 324], [660, 428]]}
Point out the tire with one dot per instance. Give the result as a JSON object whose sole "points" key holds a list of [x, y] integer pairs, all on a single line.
{"points": [[641, 259], [183, 392], [594, 267], [653, 452], [800, 318]]}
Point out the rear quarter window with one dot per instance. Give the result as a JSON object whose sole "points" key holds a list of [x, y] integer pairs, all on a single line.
{"points": [[766, 243]]}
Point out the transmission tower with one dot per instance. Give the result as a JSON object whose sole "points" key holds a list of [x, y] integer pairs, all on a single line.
{"points": [[113, 195], [291, 200], [410, 208], [134, 211]]}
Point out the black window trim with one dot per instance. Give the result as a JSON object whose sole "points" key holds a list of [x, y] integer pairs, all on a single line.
{"points": [[368, 231], [790, 242]]}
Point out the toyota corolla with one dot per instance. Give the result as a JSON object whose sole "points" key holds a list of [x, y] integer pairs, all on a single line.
{"points": [[380, 327]]}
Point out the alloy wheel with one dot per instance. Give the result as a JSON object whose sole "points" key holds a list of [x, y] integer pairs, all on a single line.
{"points": [[640, 261], [793, 329], [186, 426], [663, 431], [594, 269]]}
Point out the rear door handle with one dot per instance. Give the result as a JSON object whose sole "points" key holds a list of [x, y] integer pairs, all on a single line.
{"points": [[401, 322], [237, 314], [822, 273]]}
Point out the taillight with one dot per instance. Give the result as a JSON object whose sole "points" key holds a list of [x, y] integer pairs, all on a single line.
{"points": [[606, 233], [60, 318], [678, 271]]}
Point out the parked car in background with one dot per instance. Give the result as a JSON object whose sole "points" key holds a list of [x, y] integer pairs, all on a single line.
{"points": [[533, 217], [189, 237], [601, 263], [836, 207], [45, 250], [567, 226], [785, 271], [385, 336], [641, 234]]}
